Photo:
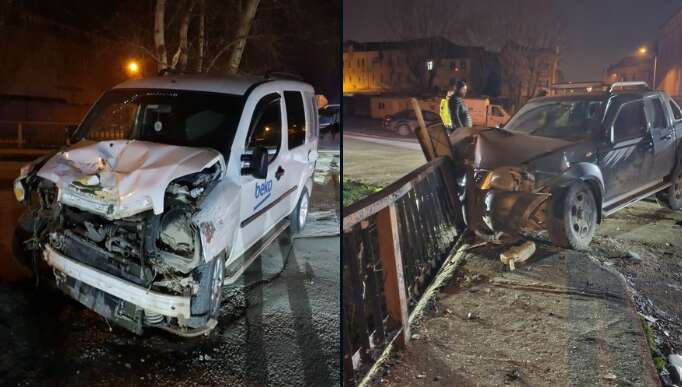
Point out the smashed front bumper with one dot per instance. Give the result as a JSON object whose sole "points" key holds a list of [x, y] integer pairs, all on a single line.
{"points": [[126, 303]]}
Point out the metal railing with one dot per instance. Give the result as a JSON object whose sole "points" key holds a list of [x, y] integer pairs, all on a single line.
{"points": [[33, 134], [394, 241]]}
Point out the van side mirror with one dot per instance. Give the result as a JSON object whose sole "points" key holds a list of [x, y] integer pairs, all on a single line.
{"points": [[258, 163], [70, 133]]}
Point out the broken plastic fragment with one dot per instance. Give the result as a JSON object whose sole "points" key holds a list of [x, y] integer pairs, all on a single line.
{"points": [[517, 254]]}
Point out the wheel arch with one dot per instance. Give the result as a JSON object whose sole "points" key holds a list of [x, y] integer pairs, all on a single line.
{"points": [[591, 175]]}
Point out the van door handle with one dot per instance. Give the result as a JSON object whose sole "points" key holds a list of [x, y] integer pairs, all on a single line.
{"points": [[667, 137], [279, 173]]}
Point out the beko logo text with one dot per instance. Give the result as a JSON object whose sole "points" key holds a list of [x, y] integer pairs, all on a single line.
{"points": [[263, 189]]}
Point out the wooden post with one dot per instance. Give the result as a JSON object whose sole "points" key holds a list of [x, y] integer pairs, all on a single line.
{"points": [[391, 259], [422, 133], [20, 135]]}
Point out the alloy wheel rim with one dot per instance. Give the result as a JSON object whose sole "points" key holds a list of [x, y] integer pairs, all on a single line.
{"points": [[303, 210], [581, 214]]}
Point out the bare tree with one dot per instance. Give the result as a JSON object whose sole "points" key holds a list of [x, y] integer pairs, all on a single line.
{"points": [[422, 25], [248, 15]]}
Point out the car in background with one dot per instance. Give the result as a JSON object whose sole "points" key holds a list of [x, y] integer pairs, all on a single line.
{"points": [[405, 122], [329, 120]]}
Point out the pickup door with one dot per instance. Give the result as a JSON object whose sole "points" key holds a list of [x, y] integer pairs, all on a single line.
{"points": [[627, 156], [662, 137]]}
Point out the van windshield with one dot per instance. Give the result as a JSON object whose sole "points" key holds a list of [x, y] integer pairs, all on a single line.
{"points": [[174, 117], [564, 119]]}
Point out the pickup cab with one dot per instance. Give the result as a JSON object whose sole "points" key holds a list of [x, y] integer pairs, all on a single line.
{"points": [[171, 188]]}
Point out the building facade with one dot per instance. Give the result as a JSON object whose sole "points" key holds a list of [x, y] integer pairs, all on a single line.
{"points": [[669, 63], [424, 66], [631, 68]]}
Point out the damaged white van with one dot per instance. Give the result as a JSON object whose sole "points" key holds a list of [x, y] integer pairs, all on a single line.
{"points": [[172, 187]]}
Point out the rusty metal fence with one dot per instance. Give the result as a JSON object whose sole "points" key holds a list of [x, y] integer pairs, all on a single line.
{"points": [[394, 242]]}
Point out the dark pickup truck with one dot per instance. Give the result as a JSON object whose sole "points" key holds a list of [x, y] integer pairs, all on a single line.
{"points": [[563, 163]]}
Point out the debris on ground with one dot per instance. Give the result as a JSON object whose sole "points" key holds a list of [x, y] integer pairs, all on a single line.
{"points": [[518, 254], [631, 255], [675, 361]]}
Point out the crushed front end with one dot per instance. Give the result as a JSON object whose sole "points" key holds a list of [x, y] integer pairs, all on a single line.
{"points": [[134, 266]]}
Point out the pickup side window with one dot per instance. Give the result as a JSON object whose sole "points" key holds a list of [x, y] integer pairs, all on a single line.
{"points": [[295, 118], [658, 120], [676, 110], [266, 126], [631, 122]]}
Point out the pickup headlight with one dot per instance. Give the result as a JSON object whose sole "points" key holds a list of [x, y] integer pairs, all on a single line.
{"points": [[19, 190], [509, 179]]}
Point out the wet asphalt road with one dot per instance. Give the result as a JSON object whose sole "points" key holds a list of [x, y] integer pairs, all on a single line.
{"points": [[279, 324]]}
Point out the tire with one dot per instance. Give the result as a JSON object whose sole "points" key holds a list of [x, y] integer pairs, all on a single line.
{"points": [[404, 130], [205, 304], [572, 216], [299, 215], [672, 197]]}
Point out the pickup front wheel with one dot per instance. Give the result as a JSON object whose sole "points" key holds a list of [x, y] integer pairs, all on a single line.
{"points": [[572, 216]]}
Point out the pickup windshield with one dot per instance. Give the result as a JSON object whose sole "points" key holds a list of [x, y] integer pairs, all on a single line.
{"points": [[564, 119], [175, 117]]}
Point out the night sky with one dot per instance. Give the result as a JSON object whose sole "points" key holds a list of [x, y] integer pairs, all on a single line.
{"points": [[597, 33]]}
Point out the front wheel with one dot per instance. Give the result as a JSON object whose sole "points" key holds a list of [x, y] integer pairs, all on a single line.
{"points": [[572, 216], [404, 130], [299, 216]]}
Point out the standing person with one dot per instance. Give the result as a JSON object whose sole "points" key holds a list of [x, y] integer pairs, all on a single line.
{"points": [[459, 113], [445, 110]]}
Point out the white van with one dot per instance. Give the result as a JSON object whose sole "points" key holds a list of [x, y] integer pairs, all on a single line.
{"points": [[172, 187]]}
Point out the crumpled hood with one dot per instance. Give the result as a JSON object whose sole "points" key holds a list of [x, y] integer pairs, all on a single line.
{"points": [[493, 148], [122, 177]]}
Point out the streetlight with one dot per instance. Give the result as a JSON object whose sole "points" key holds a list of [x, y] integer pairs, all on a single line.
{"points": [[133, 68], [643, 51]]}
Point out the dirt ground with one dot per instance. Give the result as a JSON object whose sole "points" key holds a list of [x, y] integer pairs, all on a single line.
{"points": [[279, 324], [564, 318]]}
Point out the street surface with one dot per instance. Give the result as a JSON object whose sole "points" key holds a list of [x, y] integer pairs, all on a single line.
{"points": [[279, 324], [531, 337]]}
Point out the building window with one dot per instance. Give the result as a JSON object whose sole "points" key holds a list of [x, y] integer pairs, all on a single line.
{"points": [[429, 65], [381, 106]]}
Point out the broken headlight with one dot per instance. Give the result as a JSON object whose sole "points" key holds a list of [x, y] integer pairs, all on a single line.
{"points": [[509, 179]]}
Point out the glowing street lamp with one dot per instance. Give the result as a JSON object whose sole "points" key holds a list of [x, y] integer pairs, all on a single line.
{"points": [[133, 68]]}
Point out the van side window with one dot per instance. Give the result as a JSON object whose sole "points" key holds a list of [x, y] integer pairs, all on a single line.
{"points": [[631, 122], [313, 118], [295, 118], [266, 126], [676, 110]]}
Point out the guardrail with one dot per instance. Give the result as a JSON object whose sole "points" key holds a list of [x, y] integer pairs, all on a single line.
{"points": [[33, 134], [394, 241]]}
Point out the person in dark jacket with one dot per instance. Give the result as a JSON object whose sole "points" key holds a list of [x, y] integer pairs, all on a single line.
{"points": [[459, 113]]}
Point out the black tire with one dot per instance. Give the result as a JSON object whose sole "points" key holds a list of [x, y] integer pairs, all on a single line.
{"points": [[572, 216], [298, 217], [672, 197], [206, 304]]}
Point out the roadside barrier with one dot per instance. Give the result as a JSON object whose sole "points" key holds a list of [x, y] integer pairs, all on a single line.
{"points": [[394, 241]]}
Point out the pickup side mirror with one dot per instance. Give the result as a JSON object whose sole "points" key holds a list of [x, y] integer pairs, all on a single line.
{"points": [[258, 163], [70, 133]]}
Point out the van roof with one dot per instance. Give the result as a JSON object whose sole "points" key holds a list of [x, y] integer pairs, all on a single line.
{"points": [[238, 85]]}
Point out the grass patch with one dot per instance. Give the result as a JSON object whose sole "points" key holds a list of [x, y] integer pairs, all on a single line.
{"points": [[355, 190], [656, 355]]}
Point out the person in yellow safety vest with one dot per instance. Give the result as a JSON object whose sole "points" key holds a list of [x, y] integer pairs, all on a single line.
{"points": [[445, 110]]}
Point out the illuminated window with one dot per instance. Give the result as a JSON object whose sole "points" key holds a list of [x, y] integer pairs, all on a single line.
{"points": [[429, 65]]}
